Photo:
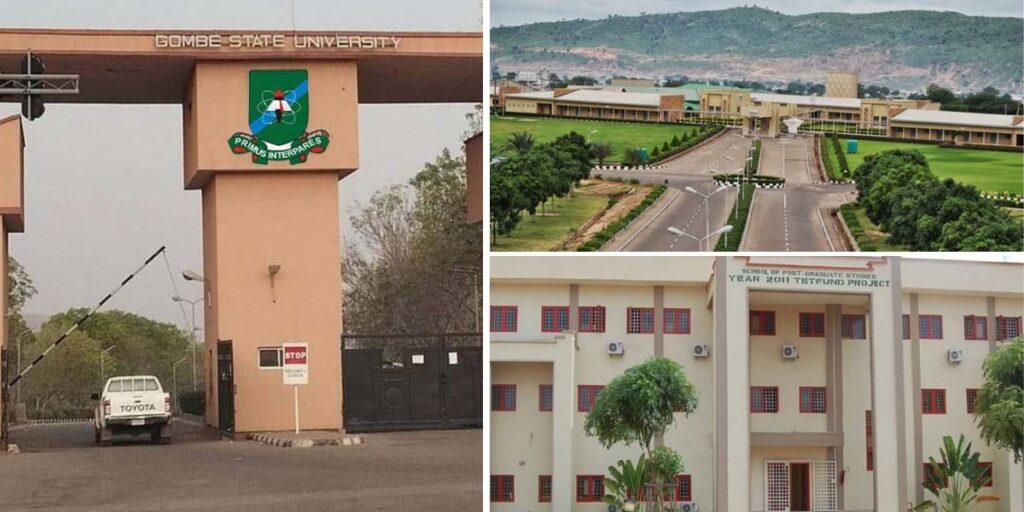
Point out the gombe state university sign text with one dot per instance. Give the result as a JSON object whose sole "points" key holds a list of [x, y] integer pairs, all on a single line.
{"points": [[257, 41], [278, 118]]}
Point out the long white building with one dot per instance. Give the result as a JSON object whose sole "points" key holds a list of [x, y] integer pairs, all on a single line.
{"points": [[825, 383]]}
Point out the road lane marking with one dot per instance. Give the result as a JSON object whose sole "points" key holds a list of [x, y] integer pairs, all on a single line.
{"points": [[642, 229], [785, 219]]}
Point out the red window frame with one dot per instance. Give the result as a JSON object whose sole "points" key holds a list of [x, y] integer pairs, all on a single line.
{"points": [[591, 392], [765, 405], [540, 397], [928, 328], [807, 406], [597, 315], [681, 324], [933, 401], [972, 399], [499, 485], [504, 324], [849, 323], [542, 481], [987, 468], [762, 323], [906, 327], [869, 441], [498, 398], [975, 327], [589, 488], [557, 314], [680, 495], [812, 325], [1003, 327], [641, 326]]}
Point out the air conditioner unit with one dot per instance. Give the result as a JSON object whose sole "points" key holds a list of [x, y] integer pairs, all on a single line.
{"points": [[701, 350], [616, 348], [688, 506], [790, 352], [955, 356]]}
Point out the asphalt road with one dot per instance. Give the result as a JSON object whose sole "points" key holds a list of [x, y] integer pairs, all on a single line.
{"points": [[796, 217], [684, 210], [60, 469]]}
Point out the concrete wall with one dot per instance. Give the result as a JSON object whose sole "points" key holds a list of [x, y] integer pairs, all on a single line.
{"points": [[521, 440], [475, 178]]}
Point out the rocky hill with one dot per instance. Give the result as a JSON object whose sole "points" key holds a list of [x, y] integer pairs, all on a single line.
{"points": [[901, 49]]}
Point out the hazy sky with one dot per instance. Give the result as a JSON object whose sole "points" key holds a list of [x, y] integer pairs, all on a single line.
{"points": [[103, 184], [517, 12]]}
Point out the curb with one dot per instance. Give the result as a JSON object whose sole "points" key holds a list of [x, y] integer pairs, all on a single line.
{"points": [[598, 168], [280, 442], [850, 239]]}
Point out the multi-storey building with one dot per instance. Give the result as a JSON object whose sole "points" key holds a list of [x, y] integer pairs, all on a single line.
{"points": [[825, 383]]}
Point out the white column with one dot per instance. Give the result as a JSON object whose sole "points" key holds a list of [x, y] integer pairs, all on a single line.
{"points": [[563, 492], [887, 396], [732, 388]]}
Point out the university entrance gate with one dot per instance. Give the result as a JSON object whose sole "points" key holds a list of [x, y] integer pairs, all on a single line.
{"points": [[270, 124], [402, 382]]}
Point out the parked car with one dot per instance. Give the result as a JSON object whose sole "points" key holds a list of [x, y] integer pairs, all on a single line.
{"points": [[133, 404]]}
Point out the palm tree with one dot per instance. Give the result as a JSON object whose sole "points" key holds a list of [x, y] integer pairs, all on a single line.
{"points": [[520, 142], [600, 151], [956, 481]]}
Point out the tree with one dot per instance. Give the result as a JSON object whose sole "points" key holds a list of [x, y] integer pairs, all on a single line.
{"points": [[633, 157], [999, 409], [601, 151], [939, 94], [956, 481], [640, 405], [400, 278], [675, 140], [520, 142], [19, 290]]}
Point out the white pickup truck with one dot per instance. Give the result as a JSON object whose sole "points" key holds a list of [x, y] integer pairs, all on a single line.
{"points": [[133, 404]]}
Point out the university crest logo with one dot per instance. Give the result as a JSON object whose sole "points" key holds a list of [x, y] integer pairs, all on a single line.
{"points": [[278, 117]]}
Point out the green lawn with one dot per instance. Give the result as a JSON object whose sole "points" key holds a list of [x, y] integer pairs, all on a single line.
{"points": [[543, 233], [622, 136], [873, 234], [990, 171]]}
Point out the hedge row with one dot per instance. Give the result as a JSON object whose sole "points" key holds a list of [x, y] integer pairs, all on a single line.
{"points": [[755, 179], [844, 167], [738, 220], [679, 145], [192, 402], [612, 229], [852, 222], [830, 170]]}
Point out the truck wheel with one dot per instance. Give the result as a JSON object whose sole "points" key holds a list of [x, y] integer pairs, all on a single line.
{"points": [[96, 430], [106, 436], [154, 434], [165, 434]]}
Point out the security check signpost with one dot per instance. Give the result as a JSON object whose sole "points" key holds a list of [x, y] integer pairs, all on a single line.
{"points": [[270, 125], [295, 371]]}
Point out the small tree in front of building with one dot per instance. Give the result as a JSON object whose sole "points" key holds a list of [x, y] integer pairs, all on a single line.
{"points": [[999, 409], [956, 480], [638, 407]]}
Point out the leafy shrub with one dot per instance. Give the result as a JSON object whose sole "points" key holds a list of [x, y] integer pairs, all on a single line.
{"points": [[192, 402], [611, 229]]}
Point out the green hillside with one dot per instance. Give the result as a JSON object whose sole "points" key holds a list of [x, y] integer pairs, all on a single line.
{"points": [[988, 50]]}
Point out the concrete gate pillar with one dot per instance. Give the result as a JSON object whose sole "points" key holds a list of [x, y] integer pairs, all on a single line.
{"points": [[12, 143], [264, 208], [732, 389]]}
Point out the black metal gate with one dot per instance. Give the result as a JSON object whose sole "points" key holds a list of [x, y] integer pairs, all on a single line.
{"points": [[407, 382], [225, 386]]}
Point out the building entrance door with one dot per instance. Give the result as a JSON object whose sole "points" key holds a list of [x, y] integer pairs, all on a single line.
{"points": [[225, 386], [792, 486]]}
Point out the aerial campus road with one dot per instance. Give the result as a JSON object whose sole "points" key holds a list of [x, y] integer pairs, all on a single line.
{"points": [[794, 218], [61, 469], [680, 208], [798, 216]]}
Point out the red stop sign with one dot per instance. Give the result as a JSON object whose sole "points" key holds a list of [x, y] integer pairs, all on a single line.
{"points": [[294, 355]]}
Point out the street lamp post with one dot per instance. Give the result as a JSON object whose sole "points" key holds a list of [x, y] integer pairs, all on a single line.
{"points": [[174, 379], [18, 339], [103, 365], [195, 378], [707, 213], [589, 134], [678, 232]]}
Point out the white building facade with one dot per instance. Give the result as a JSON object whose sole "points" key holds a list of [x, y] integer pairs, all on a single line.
{"points": [[825, 383]]}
